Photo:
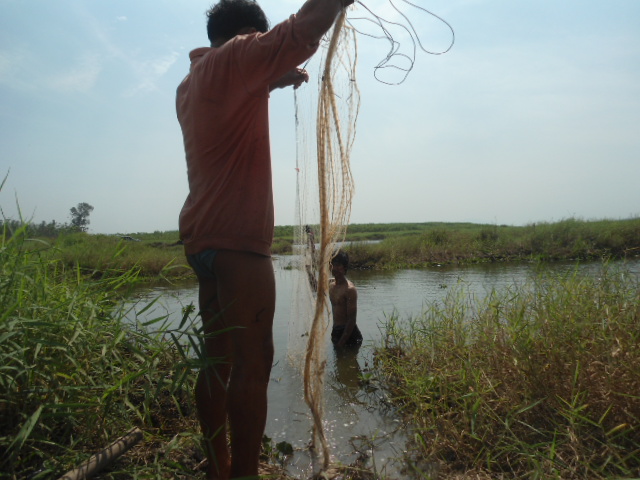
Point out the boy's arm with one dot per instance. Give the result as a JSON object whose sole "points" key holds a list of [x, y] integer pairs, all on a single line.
{"points": [[352, 312]]}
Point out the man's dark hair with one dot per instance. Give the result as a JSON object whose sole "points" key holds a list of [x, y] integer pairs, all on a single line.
{"points": [[341, 258], [227, 17]]}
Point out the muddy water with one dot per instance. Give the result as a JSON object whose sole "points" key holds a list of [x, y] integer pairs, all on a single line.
{"points": [[360, 424]]}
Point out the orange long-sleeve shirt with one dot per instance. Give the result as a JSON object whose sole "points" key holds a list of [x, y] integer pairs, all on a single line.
{"points": [[222, 107]]}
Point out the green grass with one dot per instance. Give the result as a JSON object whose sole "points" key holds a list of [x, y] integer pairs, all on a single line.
{"points": [[569, 239], [401, 245], [414, 245], [100, 256], [75, 375], [540, 381], [77, 370]]}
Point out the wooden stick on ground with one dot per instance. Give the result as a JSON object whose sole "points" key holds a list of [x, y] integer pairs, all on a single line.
{"points": [[107, 456]]}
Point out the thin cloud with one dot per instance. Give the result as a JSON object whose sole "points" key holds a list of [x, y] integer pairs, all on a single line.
{"points": [[79, 79], [146, 73], [6, 64], [13, 64], [150, 71]]}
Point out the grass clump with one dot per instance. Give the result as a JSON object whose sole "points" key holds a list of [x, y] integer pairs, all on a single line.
{"points": [[74, 375], [541, 381]]}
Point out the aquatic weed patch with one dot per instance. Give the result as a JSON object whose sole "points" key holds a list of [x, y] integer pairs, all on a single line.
{"points": [[540, 381]]}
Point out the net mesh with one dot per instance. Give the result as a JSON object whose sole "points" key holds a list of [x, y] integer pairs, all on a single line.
{"points": [[324, 191], [324, 182]]}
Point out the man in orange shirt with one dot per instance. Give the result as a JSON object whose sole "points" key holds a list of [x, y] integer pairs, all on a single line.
{"points": [[226, 223]]}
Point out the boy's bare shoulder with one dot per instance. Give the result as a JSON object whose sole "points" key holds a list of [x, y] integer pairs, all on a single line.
{"points": [[351, 292]]}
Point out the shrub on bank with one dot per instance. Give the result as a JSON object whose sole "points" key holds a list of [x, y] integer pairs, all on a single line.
{"points": [[541, 381]]}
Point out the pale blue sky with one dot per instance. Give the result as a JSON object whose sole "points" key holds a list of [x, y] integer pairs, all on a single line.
{"points": [[534, 115]]}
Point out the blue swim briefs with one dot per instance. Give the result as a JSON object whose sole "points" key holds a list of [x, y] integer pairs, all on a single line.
{"points": [[202, 263]]}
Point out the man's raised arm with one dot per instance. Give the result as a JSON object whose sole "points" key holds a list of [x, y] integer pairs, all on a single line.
{"points": [[316, 17]]}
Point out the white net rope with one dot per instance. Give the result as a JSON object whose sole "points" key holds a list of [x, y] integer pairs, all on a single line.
{"points": [[324, 192]]}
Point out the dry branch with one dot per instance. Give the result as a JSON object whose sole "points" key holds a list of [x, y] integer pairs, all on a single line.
{"points": [[107, 456]]}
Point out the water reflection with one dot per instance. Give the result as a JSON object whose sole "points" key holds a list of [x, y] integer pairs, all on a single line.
{"points": [[346, 374]]}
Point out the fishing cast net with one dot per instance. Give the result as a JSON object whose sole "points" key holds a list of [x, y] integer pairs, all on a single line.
{"points": [[325, 133], [324, 191]]}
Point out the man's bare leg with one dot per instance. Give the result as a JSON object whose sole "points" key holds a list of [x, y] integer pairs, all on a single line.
{"points": [[246, 288], [236, 389], [211, 386]]}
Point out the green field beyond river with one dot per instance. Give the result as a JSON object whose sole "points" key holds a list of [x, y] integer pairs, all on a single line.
{"points": [[490, 352]]}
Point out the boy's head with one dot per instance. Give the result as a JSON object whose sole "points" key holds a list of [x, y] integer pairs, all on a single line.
{"points": [[341, 258], [227, 17]]}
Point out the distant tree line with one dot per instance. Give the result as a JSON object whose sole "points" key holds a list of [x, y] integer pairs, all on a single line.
{"points": [[79, 223], [43, 229]]}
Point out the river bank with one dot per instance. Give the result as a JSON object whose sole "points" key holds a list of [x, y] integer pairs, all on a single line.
{"points": [[458, 244], [159, 256], [536, 381]]}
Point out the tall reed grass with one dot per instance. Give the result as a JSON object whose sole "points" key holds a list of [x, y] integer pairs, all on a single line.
{"points": [[570, 239], [108, 255], [540, 381], [74, 375]]}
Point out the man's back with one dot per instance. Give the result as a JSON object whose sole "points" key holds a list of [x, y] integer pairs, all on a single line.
{"points": [[227, 220], [222, 107]]}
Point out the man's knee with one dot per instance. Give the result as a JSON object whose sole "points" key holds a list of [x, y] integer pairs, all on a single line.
{"points": [[254, 363], [209, 306]]}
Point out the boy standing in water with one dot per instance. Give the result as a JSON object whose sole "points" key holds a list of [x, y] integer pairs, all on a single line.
{"points": [[227, 221], [344, 304]]}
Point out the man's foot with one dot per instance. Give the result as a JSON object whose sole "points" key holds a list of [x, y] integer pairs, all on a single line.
{"points": [[212, 473]]}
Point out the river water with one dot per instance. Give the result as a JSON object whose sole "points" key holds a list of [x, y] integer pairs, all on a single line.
{"points": [[359, 423]]}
